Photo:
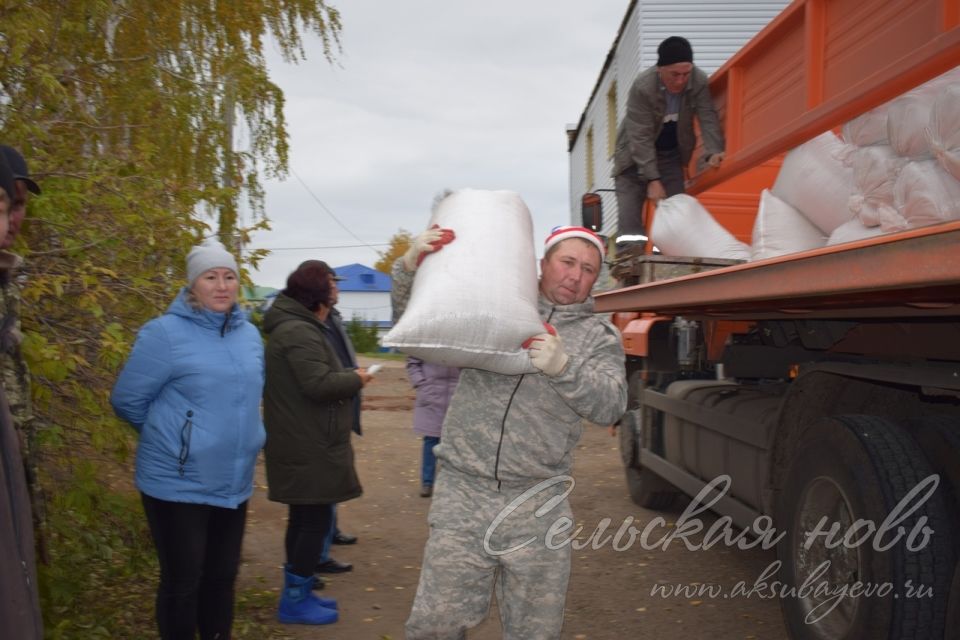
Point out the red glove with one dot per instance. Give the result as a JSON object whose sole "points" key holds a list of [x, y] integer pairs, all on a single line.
{"points": [[427, 242], [529, 341]]}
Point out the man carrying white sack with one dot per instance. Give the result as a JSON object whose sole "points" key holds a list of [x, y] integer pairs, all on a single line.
{"points": [[656, 138], [503, 436]]}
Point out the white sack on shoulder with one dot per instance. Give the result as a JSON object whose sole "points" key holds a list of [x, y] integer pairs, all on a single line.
{"points": [[815, 180], [926, 194], [944, 132], [853, 230], [474, 302], [875, 170], [780, 229], [682, 227]]}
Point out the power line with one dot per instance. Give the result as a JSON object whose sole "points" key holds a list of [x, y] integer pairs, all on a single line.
{"points": [[330, 213]]}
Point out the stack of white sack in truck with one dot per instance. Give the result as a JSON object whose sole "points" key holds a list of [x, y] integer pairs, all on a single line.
{"points": [[906, 161], [474, 303], [895, 168], [682, 226], [823, 181]]}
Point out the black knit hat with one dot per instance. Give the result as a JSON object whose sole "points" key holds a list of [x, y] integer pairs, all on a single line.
{"points": [[672, 50]]}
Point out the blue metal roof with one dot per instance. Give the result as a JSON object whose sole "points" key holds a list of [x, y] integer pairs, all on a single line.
{"points": [[362, 278]]}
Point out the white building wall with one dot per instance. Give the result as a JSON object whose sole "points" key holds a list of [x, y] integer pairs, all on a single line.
{"points": [[368, 305], [715, 29]]}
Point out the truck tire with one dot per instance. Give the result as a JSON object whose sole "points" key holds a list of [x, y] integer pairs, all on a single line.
{"points": [[853, 468], [939, 437], [646, 488], [953, 607], [649, 490]]}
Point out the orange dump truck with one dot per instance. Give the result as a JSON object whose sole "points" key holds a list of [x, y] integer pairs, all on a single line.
{"points": [[825, 384]]}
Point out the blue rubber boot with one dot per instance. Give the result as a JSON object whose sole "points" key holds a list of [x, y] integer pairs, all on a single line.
{"points": [[298, 605], [329, 603]]}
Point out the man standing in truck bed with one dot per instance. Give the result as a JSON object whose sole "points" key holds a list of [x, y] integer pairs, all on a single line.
{"points": [[656, 138]]}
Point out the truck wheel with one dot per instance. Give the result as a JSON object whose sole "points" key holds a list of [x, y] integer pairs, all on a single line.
{"points": [[953, 607], [939, 437], [647, 489], [853, 470]]}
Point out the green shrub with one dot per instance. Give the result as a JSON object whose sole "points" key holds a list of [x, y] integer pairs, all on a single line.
{"points": [[365, 339]]}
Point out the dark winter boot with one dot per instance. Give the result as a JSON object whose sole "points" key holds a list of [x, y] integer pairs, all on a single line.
{"points": [[298, 605]]}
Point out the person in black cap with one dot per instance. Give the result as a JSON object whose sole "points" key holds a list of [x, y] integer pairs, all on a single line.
{"points": [[14, 374], [23, 186], [20, 604], [656, 138], [8, 188]]}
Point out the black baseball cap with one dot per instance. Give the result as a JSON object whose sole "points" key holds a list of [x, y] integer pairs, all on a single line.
{"points": [[18, 165], [6, 178]]}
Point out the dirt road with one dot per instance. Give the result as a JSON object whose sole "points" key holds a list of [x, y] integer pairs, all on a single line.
{"points": [[613, 593]]}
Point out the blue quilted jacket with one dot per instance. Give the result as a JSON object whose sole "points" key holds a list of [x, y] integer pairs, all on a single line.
{"points": [[191, 388]]}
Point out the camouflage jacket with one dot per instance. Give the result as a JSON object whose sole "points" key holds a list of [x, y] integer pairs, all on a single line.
{"points": [[520, 428], [15, 375], [19, 605]]}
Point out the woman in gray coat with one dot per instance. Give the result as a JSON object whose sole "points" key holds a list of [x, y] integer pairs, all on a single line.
{"points": [[435, 384]]}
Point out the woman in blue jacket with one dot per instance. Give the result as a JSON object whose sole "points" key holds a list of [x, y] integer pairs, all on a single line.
{"points": [[191, 388]]}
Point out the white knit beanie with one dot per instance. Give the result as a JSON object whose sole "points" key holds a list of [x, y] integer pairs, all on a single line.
{"points": [[559, 234], [209, 255]]}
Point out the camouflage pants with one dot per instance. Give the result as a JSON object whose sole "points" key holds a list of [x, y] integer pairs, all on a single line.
{"points": [[460, 572]]}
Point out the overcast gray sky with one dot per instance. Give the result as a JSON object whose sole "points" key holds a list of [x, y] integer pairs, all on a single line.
{"points": [[427, 95]]}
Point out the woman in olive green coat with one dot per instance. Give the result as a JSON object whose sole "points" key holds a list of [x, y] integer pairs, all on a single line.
{"points": [[308, 414]]}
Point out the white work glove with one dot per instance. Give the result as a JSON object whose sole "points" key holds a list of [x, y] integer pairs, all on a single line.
{"points": [[715, 159], [427, 242], [546, 352]]}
